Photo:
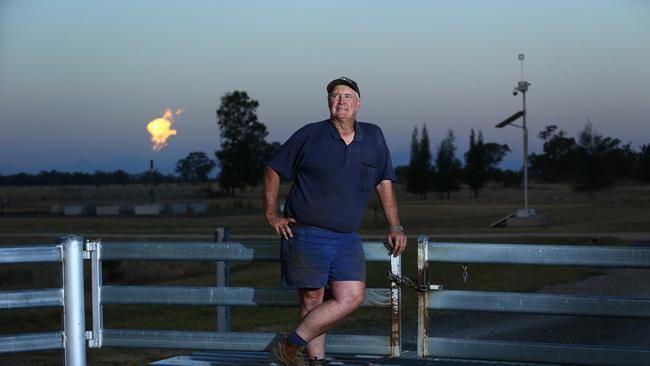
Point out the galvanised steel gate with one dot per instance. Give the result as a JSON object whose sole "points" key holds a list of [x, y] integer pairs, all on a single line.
{"points": [[533, 303], [389, 298]]}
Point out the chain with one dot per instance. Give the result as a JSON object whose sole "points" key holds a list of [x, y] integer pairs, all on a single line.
{"points": [[408, 282], [465, 273]]}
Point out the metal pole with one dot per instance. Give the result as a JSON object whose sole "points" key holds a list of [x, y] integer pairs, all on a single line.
{"points": [[423, 297], [396, 308], [151, 181], [525, 157], [95, 249], [222, 234], [74, 331]]}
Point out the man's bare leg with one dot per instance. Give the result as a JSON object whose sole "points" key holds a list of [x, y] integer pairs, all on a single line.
{"points": [[346, 297], [310, 298]]}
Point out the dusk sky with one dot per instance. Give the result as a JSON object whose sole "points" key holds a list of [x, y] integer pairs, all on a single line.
{"points": [[79, 80]]}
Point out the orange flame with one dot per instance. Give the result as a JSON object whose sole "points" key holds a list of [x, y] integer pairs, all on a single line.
{"points": [[160, 129]]}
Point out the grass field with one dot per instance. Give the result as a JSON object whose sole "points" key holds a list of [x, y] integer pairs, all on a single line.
{"points": [[577, 219]]}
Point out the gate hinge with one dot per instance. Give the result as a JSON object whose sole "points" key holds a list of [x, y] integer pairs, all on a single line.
{"points": [[93, 342], [90, 246]]}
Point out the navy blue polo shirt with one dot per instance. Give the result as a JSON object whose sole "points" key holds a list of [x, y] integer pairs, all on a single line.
{"points": [[331, 180]]}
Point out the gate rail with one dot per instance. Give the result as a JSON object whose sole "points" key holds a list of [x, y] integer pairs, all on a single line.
{"points": [[533, 303]]}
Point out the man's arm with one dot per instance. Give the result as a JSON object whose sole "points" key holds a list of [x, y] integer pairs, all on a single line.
{"points": [[396, 238], [271, 189]]}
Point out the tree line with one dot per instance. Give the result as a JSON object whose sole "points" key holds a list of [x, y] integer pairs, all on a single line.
{"points": [[56, 178], [588, 163], [421, 176]]}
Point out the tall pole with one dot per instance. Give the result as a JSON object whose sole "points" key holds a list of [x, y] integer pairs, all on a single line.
{"points": [[525, 156], [151, 179], [522, 86]]}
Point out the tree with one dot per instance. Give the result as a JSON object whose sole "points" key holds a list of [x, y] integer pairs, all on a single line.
{"points": [[508, 177], [420, 170], [481, 160], [625, 162], [594, 166], [412, 174], [643, 160], [448, 167], [244, 151], [475, 173], [555, 164], [402, 172], [195, 167]]}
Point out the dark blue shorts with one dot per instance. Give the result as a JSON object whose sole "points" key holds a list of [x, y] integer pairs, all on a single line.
{"points": [[315, 256]]}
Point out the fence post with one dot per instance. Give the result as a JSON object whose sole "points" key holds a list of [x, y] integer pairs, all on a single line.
{"points": [[74, 328], [95, 249], [423, 297], [222, 234], [396, 308]]}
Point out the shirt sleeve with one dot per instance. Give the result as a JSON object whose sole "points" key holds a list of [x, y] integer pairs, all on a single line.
{"points": [[386, 171], [287, 158]]}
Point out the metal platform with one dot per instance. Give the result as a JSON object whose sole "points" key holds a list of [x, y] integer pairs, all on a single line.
{"points": [[408, 358], [243, 358]]}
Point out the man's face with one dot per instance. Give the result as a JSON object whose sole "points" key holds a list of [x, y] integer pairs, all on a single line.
{"points": [[343, 102]]}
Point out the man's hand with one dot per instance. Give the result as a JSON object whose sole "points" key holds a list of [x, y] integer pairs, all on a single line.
{"points": [[281, 225], [271, 187], [396, 242]]}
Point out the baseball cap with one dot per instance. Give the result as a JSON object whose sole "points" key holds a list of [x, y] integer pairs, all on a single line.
{"points": [[343, 81]]}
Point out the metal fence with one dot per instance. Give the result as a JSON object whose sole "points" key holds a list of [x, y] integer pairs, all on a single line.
{"points": [[223, 295], [534, 303], [69, 252]]}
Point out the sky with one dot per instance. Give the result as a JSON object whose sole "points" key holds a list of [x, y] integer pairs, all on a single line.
{"points": [[79, 80]]}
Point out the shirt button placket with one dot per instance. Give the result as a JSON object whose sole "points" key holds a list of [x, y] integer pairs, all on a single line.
{"points": [[346, 155]]}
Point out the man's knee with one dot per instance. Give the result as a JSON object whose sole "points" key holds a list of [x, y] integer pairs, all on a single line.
{"points": [[310, 298], [350, 294], [357, 298]]}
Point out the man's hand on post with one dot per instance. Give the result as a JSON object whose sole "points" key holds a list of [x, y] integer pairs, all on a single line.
{"points": [[396, 240], [281, 226]]}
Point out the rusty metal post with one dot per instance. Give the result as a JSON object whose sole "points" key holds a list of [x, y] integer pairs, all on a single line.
{"points": [[222, 234], [395, 308], [423, 296]]}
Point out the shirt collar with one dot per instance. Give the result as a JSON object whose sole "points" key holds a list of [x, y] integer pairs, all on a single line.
{"points": [[358, 131]]}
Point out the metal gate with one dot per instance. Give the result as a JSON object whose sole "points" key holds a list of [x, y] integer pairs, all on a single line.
{"points": [[533, 303], [388, 298]]}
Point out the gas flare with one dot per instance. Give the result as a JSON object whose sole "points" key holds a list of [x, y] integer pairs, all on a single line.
{"points": [[160, 128]]}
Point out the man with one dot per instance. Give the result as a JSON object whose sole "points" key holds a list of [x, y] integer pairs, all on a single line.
{"points": [[334, 165]]}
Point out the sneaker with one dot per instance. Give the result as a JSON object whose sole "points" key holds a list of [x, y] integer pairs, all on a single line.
{"points": [[285, 353]]}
